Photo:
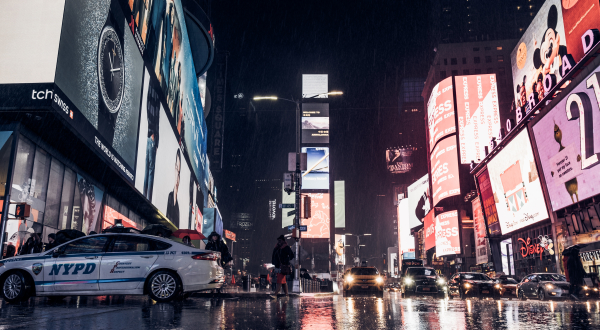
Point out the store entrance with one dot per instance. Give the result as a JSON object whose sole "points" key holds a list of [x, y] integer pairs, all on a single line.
{"points": [[508, 262]]}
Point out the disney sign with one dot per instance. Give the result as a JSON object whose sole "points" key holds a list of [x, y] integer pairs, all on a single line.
{"points": [[545, 244]]}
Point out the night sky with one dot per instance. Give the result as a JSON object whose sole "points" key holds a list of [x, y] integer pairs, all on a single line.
{"points": [[366, 48]]}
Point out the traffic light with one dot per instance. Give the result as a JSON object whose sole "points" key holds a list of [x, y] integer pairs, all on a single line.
{"points": [[22, 211], [307, 213]]}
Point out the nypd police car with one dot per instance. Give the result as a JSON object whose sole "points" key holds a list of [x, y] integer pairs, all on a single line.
{"points": [[110, 264]]}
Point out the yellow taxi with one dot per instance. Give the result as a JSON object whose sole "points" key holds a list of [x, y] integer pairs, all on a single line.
{"points": [[363, 279]]}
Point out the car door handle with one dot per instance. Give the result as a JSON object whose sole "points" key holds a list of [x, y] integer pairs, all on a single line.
{"points": [[146, 257], [95, 257]]}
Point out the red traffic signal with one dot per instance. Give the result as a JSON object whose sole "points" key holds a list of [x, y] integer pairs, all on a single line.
{"points": [[22, 211]]}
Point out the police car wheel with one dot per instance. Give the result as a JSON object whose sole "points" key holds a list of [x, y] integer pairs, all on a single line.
{"points": [[163, 286], [15, 287]]}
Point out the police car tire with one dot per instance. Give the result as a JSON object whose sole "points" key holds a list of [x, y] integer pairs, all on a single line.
{"points": [[15, 281], [164, 286]]}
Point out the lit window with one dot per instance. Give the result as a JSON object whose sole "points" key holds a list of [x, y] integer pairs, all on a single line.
{"points": [[499, 48], [500, 58]]}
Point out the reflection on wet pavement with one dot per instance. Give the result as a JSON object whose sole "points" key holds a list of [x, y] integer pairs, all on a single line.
{"points": [[329, 312]]}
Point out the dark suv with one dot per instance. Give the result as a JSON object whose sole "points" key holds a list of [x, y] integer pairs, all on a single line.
{"points": [[422, 280]]}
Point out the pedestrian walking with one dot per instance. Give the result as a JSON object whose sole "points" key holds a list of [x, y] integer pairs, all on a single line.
{"points": [[215, 243], [576, 272], [32, 245], [282, 254], [187, 241], [51, 242]]}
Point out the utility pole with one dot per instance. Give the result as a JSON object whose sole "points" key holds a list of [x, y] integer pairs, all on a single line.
{"points": [[296, 283]]}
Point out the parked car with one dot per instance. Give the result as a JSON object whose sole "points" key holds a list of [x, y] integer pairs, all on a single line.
{"points": [[107, 264], [363, 279], [469, 284], [505, 287], [543, 286], [422, 280]]}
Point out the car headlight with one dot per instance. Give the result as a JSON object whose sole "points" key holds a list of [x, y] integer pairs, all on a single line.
{"points": [[349, 278], [441, 281], [595, 289], [408, 280], [379, 280], [467, 285], [498, 286], [585, 287], [549, 286]]}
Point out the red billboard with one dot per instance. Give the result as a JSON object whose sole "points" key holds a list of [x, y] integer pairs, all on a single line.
{"points": [[481, 250], [478, 114], [444, 170], [447, 239], [318, 223], [440, 112], [578, 17], [429, 230], [489, 205], [229, 235]]}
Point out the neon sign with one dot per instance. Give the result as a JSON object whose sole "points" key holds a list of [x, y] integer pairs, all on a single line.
{"points": [[545, 244]]}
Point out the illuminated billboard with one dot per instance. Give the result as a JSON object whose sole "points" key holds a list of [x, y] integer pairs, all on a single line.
{"points": [[315, 86], [516, 185], [399, 160], [315, 122], [316, 175], [444, 170], [429, 231], [568, 144], [489, 203], [339, 193], [478, 114], [418, 201], [481, 250], [340, 243], [406, 241], [319, 222], [287, 220], [440, 112], [447, 239]]}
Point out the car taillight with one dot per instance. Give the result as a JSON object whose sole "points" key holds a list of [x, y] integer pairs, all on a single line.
{"points": [[206, 256]]}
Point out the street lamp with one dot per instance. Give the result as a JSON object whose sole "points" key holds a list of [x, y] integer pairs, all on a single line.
{"points": [[296, 286]]}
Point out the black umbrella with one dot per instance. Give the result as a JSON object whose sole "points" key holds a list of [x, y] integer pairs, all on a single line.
{"points": [[66, 235], [157, 230]]}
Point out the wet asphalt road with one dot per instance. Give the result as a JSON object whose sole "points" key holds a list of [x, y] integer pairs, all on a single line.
{"points": [[330, 312]]}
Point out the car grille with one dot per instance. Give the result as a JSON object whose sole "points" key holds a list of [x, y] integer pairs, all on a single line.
{"points": [[564, 287]]}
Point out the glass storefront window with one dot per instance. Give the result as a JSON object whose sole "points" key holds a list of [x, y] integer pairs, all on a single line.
{"points": [[66, 200], [39, 177], [55, 183], [23, 167], [5, 150]]}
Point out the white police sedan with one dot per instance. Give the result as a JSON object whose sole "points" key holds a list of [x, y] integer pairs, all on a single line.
{"points": [[110, 264]]}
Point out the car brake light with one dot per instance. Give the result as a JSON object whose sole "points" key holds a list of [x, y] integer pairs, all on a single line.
{"points": [[206, 256]]}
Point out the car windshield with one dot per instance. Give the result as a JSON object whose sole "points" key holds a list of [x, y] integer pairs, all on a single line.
{"points": [[552, 278], [420, 271], [508, 281], [364, 271], [475, 277]]}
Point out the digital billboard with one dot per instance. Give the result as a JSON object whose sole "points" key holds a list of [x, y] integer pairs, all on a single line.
{"points": [[316, 175], [481, 250], [28, 53], [444, 170], [315, 122], [287, 220], [406, 241], [163, 175], [516, 185], [110, 215], [488, 203], [578, 17], [339, 193], [315, 86], [340, 243], [319, 222], [418, 201], [98, 80], [399, 160], [568, 144], [440, 112], [478, 114], [429, 231], [447, 239]]}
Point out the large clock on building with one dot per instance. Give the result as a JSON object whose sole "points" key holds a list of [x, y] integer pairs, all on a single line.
{"points": [[111, 79]]}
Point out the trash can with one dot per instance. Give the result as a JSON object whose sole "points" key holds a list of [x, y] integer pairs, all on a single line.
{"points": [[246, 281]]}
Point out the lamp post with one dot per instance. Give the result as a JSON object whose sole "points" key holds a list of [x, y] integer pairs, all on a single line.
{"points": [[296, 286]]}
